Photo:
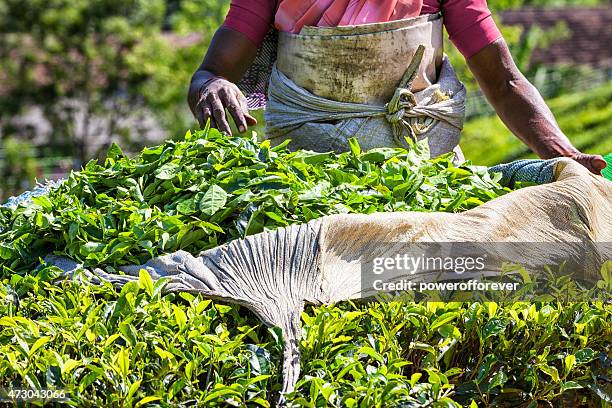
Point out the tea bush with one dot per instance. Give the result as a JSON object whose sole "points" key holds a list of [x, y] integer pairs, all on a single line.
{"points": [[140, 347]]}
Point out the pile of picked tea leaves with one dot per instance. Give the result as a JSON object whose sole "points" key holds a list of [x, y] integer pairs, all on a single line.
{"points": [[208, 189]]}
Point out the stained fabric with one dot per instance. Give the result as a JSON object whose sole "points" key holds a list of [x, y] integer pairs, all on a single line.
{"points": [[254, 84], [315, 123]]}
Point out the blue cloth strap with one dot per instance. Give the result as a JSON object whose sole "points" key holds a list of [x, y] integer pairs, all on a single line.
{"points": [[533, 171]]}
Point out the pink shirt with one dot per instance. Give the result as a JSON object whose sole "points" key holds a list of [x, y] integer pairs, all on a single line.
{"points": [[468, 22], [292, 15]]}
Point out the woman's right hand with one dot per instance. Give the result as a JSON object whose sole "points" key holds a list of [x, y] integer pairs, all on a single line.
{"points": [[209, 98]]}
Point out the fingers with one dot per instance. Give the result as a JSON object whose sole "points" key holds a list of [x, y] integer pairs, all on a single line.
{"points": [[599, 163], [218, 113], [236, 110], [251, 121], [204, 114], [201, 116], [218, 96], [594, 163], [208, 116], [593, 169]]}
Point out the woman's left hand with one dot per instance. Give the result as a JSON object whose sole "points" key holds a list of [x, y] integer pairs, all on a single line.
{"points": [[593, 162]]}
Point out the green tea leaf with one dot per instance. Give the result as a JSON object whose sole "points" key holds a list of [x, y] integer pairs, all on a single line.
{"points": [[168, 171], [145, 281], [214, 200]]}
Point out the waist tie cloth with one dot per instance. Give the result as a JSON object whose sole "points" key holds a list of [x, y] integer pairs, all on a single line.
{"points": [[276, 273], [316, 123]]}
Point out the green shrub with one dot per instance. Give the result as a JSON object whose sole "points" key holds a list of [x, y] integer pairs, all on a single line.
{"points": [[135, 347], [139, 347]]}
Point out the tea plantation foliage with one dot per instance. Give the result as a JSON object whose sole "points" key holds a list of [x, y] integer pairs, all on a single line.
{"points": [[137, 346], [585, 117]]}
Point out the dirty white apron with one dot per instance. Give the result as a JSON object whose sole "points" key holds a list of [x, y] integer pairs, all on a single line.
{"points": [[380, 83]]}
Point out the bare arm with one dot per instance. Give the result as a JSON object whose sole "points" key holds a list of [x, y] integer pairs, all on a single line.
{"points": [[213, 88], [521, 107]]}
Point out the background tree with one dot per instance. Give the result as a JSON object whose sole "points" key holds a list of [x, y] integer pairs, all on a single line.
{"points": [[87, 73]]}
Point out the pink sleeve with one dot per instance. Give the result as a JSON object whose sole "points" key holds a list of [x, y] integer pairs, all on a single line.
{"points": [[253, 18], [470, 25]]}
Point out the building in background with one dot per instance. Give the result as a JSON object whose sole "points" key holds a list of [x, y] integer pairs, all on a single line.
{"points": [[590, 34]]}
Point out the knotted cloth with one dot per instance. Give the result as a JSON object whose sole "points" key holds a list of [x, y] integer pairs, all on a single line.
{"points": [[321, 124], [276, 273]]}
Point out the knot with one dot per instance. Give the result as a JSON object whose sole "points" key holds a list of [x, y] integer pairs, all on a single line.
{"points": [[395, 117], [399, 107], [401, 101], [400, 113]]}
